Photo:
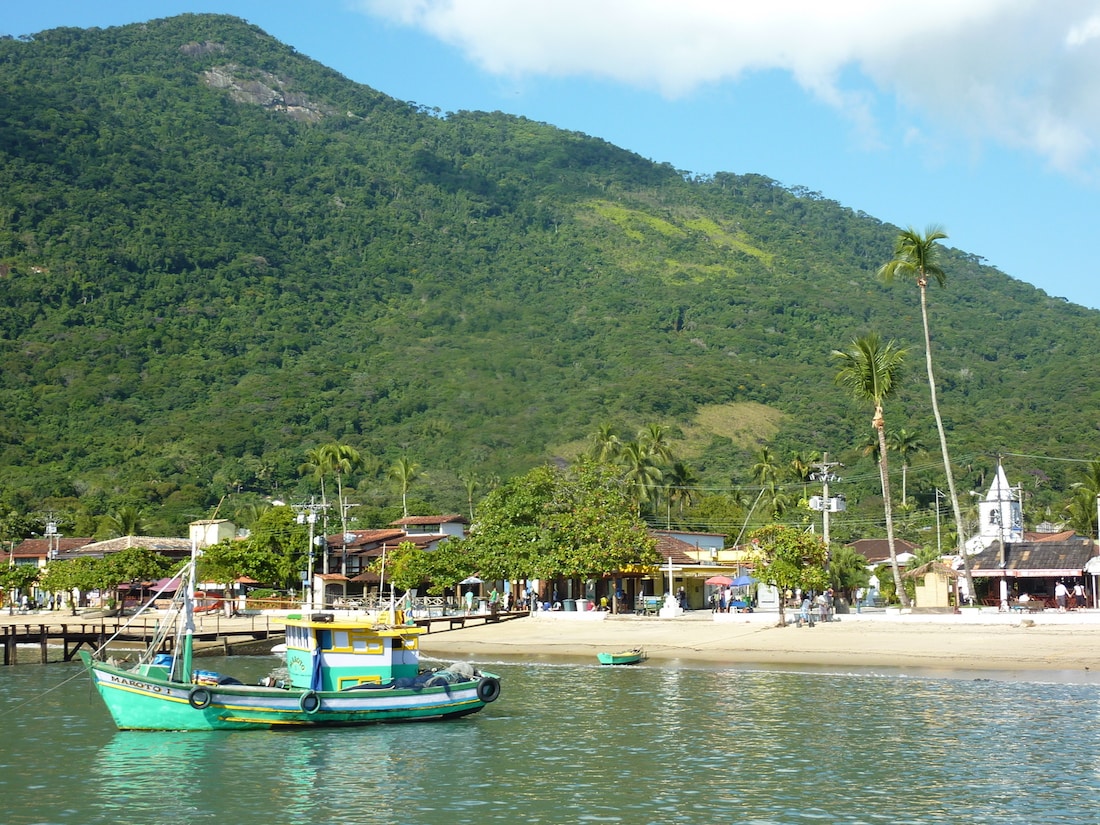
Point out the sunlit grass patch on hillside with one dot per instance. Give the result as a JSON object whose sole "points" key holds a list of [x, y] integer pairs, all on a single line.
{"points": [[747, 425]]}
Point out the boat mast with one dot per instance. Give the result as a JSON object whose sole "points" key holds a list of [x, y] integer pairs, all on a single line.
{"points": [[187, 615]]}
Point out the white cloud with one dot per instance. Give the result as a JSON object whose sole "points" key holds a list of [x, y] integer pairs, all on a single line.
{"points": [[1018, 72]]}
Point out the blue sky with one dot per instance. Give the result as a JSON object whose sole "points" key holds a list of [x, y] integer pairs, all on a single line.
{"points": [[982, 116]]}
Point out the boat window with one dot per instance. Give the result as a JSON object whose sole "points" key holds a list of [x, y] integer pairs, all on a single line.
{"points": [[298, 638]]}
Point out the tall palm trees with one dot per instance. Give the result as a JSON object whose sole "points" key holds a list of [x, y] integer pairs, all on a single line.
{"points": [[869, 370], [915, 256], [332, 459]]}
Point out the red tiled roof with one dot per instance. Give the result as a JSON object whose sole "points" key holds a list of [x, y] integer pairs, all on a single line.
{"points": [[876, 550], [363, 538], [38, 548], [1065, 535], [674, 549], [420, 521]]}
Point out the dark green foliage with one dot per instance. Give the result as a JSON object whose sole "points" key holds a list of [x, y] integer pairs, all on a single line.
{"points": [[216, 254]]}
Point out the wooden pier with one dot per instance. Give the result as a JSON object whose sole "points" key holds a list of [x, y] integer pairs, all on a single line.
{"points": [[67, 637], [213, 635]]}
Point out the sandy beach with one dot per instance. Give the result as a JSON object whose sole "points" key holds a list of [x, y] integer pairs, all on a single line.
{"points": [[985, 642], [1004, 643]]}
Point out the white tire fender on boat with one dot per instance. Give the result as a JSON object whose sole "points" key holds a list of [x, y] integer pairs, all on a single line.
{"points": [[488, 689], [310, 702], [199, 698]]}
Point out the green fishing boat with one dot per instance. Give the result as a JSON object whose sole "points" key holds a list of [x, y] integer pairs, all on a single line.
{"points": [[338, 673]]}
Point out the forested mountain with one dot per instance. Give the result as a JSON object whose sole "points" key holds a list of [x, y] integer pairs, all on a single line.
{"points": [[216, 253]]}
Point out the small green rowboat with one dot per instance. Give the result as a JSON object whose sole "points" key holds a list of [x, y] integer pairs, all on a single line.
{"points": [[623, 657]]}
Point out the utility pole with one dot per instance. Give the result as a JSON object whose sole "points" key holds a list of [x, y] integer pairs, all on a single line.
{"points": [[824, 474], [307, 514], [939, 547]]}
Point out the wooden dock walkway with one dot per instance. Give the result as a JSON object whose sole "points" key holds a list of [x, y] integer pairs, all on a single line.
{"points": [[69, 636], [213, 634]]}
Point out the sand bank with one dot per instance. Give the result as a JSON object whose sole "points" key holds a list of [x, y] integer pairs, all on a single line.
{"points": [[998, 642]]}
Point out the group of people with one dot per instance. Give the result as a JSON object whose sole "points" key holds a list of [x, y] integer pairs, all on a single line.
{"points": [[724, 600], [819, 608]]}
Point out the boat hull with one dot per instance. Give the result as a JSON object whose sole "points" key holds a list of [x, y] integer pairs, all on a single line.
{"points": [[630, 657], [138, 702]]}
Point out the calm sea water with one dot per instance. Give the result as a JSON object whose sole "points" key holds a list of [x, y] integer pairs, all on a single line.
{"points": [[580, 743]]}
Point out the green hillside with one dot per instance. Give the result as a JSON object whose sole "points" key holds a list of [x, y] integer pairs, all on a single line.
{"points": [[216, 254]]}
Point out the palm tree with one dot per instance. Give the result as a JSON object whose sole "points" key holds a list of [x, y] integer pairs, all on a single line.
{"points": [[315, 466], [605, 443], [654, 439], [915, 257], [681, 481], [906, 445], [869, 370], [341, 459], [640, 472], [471, 483], [1082, 506], [126, 521], [404, 472], [765, 472]]}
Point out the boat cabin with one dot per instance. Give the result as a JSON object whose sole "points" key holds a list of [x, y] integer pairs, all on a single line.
{"points": [[323, 653]]}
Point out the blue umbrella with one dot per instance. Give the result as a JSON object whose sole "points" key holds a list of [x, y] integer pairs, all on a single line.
{"points": [[743, 580]]}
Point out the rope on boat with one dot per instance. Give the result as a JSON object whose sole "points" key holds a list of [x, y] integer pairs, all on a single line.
{"points": [[161, 632]]}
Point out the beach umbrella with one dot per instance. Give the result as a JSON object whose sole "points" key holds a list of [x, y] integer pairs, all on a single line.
{"points": [[721, 581], [743, 580], [471, 580]]}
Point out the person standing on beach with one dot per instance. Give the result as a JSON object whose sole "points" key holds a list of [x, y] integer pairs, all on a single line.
{"points": [[1080, 598], [1060, 595]]}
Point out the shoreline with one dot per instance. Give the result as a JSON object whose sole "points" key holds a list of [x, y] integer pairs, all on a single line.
{"points": [[1010, 647], [979, 643]]}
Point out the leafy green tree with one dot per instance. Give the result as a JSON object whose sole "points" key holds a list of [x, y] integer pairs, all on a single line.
{"points": [[446, 565], [594, 527], [788, 559], [131, 566], [17, 578], [511, 540], [870, 371], [551, 522], [228, 560], [277, 548], [407, 566], [917, 256]]}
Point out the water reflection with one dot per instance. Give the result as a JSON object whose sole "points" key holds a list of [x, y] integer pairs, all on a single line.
{"points": [[579, 743]]}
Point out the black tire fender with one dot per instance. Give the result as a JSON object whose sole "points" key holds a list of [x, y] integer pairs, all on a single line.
{"points": [[310, 702], [199, 698], [488, 689]]}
